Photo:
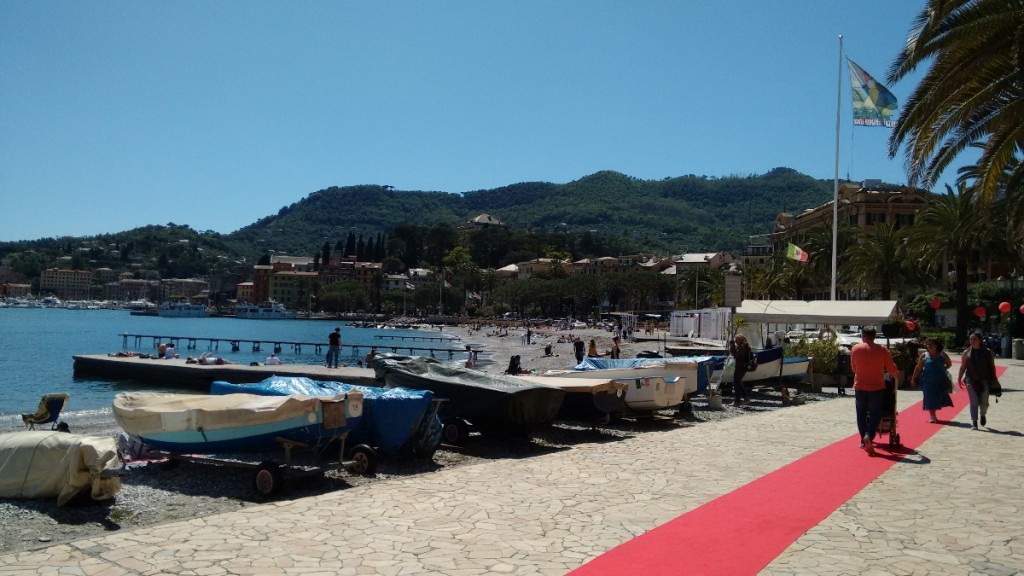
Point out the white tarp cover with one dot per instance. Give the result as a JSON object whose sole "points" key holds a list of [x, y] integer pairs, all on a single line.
{"points": [[829, 312], [145, 413], [48, 463]]}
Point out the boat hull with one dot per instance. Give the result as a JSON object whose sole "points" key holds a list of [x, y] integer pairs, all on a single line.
{"points": [[652, 383], [397, 422], [495, 405], [201, 424]]}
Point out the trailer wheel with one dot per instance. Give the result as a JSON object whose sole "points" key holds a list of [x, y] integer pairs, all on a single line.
{"points": [[364, 460], [455, 432], [268, 479]]}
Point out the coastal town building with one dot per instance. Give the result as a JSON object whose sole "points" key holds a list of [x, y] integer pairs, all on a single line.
{"points": [[65, 283]]}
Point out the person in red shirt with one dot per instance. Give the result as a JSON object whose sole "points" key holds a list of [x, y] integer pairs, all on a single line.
{"points": [[870, 362]]}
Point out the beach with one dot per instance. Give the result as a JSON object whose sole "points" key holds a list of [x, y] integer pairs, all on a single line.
{"points": [[159, 491]]}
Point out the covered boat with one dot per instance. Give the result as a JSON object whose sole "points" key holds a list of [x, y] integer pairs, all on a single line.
{"points": [[499, 405], [585, 397], [58, 464], [397, 422], [652, 383], [203, 424]]}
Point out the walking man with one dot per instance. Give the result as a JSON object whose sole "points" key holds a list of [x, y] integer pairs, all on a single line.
{"points": [[334, 348], [870, 362]]}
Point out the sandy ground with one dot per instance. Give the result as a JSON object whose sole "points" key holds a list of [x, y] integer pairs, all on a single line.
{"points": [[532, 356]]}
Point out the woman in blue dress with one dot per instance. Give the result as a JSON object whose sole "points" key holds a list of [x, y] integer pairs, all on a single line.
{"points": [[931, 374]]}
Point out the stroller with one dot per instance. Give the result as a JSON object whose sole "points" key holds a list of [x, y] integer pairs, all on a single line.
{"points": [[889, 413]]}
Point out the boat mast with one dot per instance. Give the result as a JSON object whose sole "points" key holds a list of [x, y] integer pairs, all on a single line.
{"points": [[835, 181]]}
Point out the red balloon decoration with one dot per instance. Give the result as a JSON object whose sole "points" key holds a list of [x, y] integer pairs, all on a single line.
{"points": [[979, 311], [911, 325], [936, 303], [1004, 307], [1022, 308]]}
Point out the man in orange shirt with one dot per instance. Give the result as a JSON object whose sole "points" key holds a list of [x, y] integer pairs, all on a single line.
{"points": [[870, 361]]}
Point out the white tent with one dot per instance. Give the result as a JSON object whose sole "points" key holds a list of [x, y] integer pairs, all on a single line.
{"points": [[826, 312]]}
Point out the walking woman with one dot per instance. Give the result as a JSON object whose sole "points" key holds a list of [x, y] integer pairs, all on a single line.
{"points": [[930, 373], [980, 366], [740, 350]]}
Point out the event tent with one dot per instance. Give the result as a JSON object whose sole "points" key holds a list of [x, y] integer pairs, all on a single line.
{"points": [[824, 312]]}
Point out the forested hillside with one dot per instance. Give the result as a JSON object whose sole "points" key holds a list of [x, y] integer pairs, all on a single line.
{"points": [[674, 215]]}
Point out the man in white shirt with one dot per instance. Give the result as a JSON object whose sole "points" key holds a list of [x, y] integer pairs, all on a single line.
{"points": [[273, 360]]}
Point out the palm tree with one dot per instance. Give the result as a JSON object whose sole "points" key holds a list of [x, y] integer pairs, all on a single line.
{"points": [[881, 258], [953, 228], [971, 94]]}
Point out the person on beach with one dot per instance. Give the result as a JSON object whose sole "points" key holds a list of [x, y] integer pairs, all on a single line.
{"points": [[870, 362], [592, 349], [740, 350], [614, 353], [370, 356], [273, 360], [979, 365], [169, 351], [580, 349], [333, 348], [931, 374]]}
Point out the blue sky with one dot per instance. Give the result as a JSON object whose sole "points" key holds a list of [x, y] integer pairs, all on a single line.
{"points": [[115, 115]]}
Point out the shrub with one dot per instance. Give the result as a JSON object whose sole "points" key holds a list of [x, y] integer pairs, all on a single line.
{"points": [[824, 352]]}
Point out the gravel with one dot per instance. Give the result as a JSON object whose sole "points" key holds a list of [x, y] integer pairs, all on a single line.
{"points": [[156, 492]]}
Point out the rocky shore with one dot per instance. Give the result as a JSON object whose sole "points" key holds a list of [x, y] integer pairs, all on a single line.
{"points": [[158, 491]]}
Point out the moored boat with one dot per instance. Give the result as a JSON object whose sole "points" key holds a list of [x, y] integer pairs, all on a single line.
{"points": [[266, 311], [769, 366], [397, 422], [203, 424], [182, 310], [794, 369], [498, 405], [585, 397]]}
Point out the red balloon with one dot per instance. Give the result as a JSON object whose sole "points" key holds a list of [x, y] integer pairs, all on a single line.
{"points": [[936, 303], [979, 311], [911, 325], [1004, 307]]}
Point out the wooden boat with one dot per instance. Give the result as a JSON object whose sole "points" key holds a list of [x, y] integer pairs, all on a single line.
{"points": [[769, 366], [585, 397], [652, 383], [397, 422], [498, 405], [45, 464], [794, 369], [191, 423]]}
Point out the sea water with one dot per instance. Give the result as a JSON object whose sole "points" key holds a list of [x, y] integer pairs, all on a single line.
{"points": [[37, 345]]}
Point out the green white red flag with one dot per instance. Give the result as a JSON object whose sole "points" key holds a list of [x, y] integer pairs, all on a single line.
{"points": [[796, 253]]}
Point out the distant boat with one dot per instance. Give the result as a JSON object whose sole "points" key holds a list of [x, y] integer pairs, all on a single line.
{"points": [[182, 310], [266, 311], [204, 424], [653, 383]]}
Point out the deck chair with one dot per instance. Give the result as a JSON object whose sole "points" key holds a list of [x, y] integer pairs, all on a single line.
{"points": [[48, 412]]}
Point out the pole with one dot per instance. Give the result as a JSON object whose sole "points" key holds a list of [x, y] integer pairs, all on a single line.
{"points": [[835, 179]]}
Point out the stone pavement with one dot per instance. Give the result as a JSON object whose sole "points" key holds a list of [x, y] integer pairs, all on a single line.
{"points": [[955, 506]]}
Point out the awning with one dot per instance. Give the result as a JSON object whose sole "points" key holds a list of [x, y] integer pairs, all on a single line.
{"points": [[830, 312]]}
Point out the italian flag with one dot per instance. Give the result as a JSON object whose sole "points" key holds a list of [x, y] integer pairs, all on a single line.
{"points": [[796, 253]]}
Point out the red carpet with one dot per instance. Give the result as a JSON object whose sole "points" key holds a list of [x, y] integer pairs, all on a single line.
{"points": [[743, 531]]}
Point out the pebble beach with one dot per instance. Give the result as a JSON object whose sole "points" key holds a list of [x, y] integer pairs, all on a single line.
{"points": [[158, 491]]}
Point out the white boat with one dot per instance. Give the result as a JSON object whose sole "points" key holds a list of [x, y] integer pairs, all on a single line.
{"points": [[652, 383], [266, 311], [57, 464], [182, 310], [795, 368], [205, 424], [769, 366]]}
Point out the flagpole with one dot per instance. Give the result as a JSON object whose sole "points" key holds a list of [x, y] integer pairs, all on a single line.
{"points": [[835, 181]]}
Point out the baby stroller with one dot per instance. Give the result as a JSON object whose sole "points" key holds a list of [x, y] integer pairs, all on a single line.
{"points": [[889, 413]]}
